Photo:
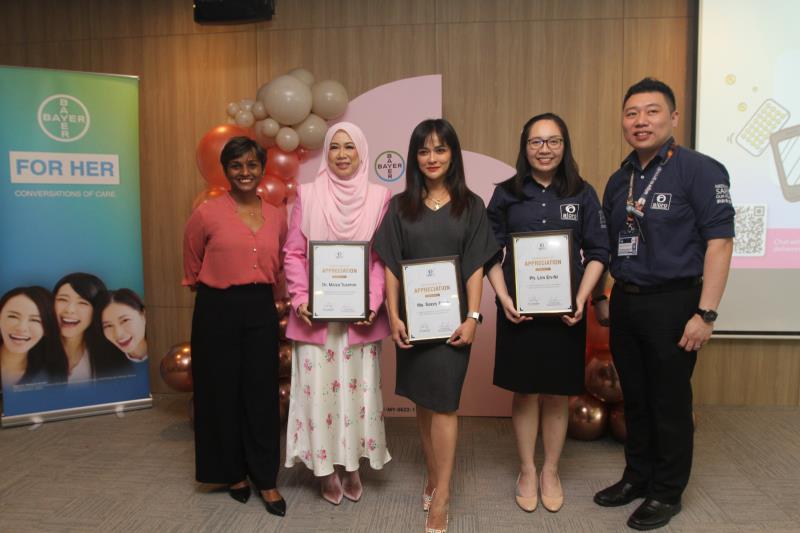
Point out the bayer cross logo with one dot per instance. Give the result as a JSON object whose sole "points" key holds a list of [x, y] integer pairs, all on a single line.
{"points": [[390, 166], [63, 118]]}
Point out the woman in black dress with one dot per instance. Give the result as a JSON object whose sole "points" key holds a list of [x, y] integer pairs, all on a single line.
{"points": [[542, 359], [437, 215]]}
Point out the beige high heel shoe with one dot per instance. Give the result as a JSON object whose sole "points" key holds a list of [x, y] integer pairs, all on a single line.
{"points": [[446, 520], [526, 503], [550, 502], [426, 498]]}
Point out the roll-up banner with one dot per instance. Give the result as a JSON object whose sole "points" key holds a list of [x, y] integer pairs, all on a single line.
{"points": [[72, 319]]}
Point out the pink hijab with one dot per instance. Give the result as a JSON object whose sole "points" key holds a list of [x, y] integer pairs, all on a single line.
{"points": [[342, 209]]}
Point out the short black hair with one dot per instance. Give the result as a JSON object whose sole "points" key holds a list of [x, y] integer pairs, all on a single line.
{"points": [[651, 85], [239, 146]]}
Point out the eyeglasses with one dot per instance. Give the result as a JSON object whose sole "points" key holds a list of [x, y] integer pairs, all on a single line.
{"points": [[553, 143]]}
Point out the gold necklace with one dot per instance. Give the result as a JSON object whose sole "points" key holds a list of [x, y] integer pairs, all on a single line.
{"points": [[438, 203]]}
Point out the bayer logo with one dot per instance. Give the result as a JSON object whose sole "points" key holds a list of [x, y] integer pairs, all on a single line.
{"points": [[63, 118], [390, 166]]}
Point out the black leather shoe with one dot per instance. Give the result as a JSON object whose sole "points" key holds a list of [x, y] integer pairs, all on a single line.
{"points": [[278, 507], [241, 494], [620, 493], [653, 514]]}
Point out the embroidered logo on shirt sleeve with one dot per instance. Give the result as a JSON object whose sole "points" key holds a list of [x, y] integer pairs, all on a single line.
{"points": [[723, 193], [570, 211]]}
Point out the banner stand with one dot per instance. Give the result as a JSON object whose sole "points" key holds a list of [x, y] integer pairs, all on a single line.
{"points": [[76, 412]]}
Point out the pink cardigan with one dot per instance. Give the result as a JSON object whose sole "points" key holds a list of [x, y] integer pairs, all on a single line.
{"points": [[296, 269]]}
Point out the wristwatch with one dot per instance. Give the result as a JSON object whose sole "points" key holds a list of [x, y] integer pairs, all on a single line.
{"points": [[476, 315], [708, 315]]}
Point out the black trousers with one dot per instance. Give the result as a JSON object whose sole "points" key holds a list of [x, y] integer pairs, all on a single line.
{"points": [[655, 374], [235, 371]]}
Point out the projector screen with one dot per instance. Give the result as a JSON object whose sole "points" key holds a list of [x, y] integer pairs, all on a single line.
{"points": [[748, 118]]}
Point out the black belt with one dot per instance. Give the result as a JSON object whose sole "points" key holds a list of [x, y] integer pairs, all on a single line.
{"points": [[674, 285]]}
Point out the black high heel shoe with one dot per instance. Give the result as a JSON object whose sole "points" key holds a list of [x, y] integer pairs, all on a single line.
{"points": [[278, 507], [241, 495]]}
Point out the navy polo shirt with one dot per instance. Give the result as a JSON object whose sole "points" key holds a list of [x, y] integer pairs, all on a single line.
{"points": [[688, 205], [542, 210]]}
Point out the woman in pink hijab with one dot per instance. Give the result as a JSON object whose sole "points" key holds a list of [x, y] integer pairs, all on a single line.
{"points": [[336, 409]]}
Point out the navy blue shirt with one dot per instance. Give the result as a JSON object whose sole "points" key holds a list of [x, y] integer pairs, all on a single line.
{"points": [[542, 210], [688, 205]]}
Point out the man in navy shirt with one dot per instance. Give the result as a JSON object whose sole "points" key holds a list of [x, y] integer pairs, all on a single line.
{"points": [[670, 226]]}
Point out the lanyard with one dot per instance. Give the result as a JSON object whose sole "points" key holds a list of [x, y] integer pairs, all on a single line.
{"points": [[635, 210]]}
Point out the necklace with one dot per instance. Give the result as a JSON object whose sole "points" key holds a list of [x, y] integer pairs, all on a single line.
{"points": [[437, 204]]}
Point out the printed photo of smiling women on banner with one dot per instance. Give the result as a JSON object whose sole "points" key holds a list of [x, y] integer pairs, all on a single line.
{"points": [[72, 318]]}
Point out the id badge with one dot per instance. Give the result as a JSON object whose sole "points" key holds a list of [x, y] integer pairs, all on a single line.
{"points": [[628, 244]]}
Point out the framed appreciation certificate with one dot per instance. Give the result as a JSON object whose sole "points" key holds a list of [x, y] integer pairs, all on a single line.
{"points": [[543, 272], [432, 298], [338, 280]]}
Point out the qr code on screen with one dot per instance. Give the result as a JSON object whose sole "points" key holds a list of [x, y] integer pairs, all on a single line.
{"points": [[751, 230]]}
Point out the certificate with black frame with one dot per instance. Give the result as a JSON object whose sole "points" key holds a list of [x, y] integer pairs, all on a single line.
{"points": [[431, 298], [338, 280], [543, 272]]}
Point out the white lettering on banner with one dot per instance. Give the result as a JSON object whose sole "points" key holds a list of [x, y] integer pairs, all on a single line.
{"points": [[64, 169]]}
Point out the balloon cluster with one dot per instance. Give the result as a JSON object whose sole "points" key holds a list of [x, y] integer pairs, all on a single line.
{"points": [[283, 306], [592, 413], [287, 118]]}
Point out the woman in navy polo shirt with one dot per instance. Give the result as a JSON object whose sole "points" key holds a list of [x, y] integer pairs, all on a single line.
{"points": [[542, 359]]}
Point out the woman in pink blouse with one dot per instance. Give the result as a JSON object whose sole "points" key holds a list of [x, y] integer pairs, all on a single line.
{"points": [[336, 409], [232, 256]]}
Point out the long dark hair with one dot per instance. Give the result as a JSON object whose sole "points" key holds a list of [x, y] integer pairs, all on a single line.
{"points": [[47, 357], [105, 358], [567, 180], [119, 296], [411, 201]]}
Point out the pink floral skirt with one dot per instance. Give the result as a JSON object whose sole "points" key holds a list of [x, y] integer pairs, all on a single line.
{"points": [[336, 408]]}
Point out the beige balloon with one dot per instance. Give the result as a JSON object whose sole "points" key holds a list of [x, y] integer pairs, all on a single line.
{"points": [[246, 104], [287, 99], [259, 111], [245, 118], [270, 127], [303, 75], [329, 99], [312, 132], [232, 109], [287, 139]]}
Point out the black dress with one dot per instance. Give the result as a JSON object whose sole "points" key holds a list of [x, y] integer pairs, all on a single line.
{"points": [[431, 375], [545, 355]]}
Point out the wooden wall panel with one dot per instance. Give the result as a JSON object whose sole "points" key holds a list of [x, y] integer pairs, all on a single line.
{"points": [[497, 75], [502, 61], [454, 11]]}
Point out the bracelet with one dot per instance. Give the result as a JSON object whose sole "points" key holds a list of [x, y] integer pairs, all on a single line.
{"points": [[598, 299]]}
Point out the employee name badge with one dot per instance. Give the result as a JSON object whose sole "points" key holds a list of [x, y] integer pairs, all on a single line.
{"points": [[628, 244]]}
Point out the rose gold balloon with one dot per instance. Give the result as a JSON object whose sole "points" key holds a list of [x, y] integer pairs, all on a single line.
{"points": [[588, 417], [280, 307], [616, 421], [285, 359], [176, 367], [601, 377], [284, 391], [282, 327]]}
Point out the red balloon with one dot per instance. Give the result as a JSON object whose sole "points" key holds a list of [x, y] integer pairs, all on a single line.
{"points": [[602, 380], [616, 421], [291, 189], [176, 367], [208, 194], [285, 359], [588, 417], [302, 153], [273, 190], [209, 149], [285, 165]]}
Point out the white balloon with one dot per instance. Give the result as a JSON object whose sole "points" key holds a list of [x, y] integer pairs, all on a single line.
{"points": [[312, 132], [232, 109], [246, 104], [287, 139], [245, 118], [270, 127], [329, 99], [259, 111], [303, 75], [287, 99]]}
